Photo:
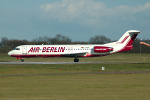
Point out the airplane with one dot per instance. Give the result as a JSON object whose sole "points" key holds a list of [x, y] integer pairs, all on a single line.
{"points": [[76, 51]]}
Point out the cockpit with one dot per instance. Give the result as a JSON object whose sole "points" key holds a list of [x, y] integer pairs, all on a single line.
{"points": [[16, 49]]}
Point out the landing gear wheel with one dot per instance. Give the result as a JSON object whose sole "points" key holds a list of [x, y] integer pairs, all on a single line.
{"points": [[76, 60], [22, 60]]}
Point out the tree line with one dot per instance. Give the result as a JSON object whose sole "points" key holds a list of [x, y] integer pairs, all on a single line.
{"points": [[8, 44]]}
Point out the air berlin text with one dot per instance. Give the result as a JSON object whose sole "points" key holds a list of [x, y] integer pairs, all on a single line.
{"points": [[46, 49]]}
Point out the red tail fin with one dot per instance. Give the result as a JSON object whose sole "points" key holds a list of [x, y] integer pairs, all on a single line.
{"points": [[127, 39]]}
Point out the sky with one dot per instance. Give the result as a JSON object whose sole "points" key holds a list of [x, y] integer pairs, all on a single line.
{"points": [[77, 19]]}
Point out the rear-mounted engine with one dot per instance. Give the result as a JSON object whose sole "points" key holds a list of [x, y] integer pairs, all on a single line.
{"points": [[101, 49]]}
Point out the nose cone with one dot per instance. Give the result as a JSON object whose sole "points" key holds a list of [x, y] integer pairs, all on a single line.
{"points": [[9, 53]]}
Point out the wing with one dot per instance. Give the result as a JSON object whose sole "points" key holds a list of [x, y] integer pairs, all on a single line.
{"points": [[75, 54]]}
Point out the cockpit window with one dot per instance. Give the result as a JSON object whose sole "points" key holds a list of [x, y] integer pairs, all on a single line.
{"points": [[16, 48]]}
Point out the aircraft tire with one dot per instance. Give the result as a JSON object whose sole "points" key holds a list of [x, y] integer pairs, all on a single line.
{"points": [[22, 60], [76, 60]]}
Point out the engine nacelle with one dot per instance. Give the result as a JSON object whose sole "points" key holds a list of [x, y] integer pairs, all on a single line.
{"points": [[101, 49]]}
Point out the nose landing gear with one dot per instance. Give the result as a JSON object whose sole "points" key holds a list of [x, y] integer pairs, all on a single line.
{"points": [[22, 60]]}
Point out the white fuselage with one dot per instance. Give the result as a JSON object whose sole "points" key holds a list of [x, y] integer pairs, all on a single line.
{"points": [[56, 50], [123, 44]]}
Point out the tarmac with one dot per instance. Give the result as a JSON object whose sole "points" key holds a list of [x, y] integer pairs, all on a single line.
{"points": [[37, 63]]}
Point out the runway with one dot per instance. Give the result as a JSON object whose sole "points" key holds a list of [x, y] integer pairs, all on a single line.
{"points": [[42, 63]]}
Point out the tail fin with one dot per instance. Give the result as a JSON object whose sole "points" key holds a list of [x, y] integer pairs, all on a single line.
{"points": [[127, 39]]}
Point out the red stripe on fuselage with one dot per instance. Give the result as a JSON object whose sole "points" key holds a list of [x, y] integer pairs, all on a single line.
{"points": [[41, 55], [58, 55]]}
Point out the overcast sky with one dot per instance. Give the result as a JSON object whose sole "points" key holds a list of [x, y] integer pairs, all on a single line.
{"points": [[77, 19]]}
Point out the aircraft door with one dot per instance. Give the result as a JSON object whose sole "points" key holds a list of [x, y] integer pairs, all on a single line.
{"points": [[24, 50]]}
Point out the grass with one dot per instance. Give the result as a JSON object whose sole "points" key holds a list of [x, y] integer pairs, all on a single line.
{"points": [[77, 86], [71, 68]]}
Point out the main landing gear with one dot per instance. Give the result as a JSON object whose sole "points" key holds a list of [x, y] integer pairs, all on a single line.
{"points": [[22, 60], [76, 59]]}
